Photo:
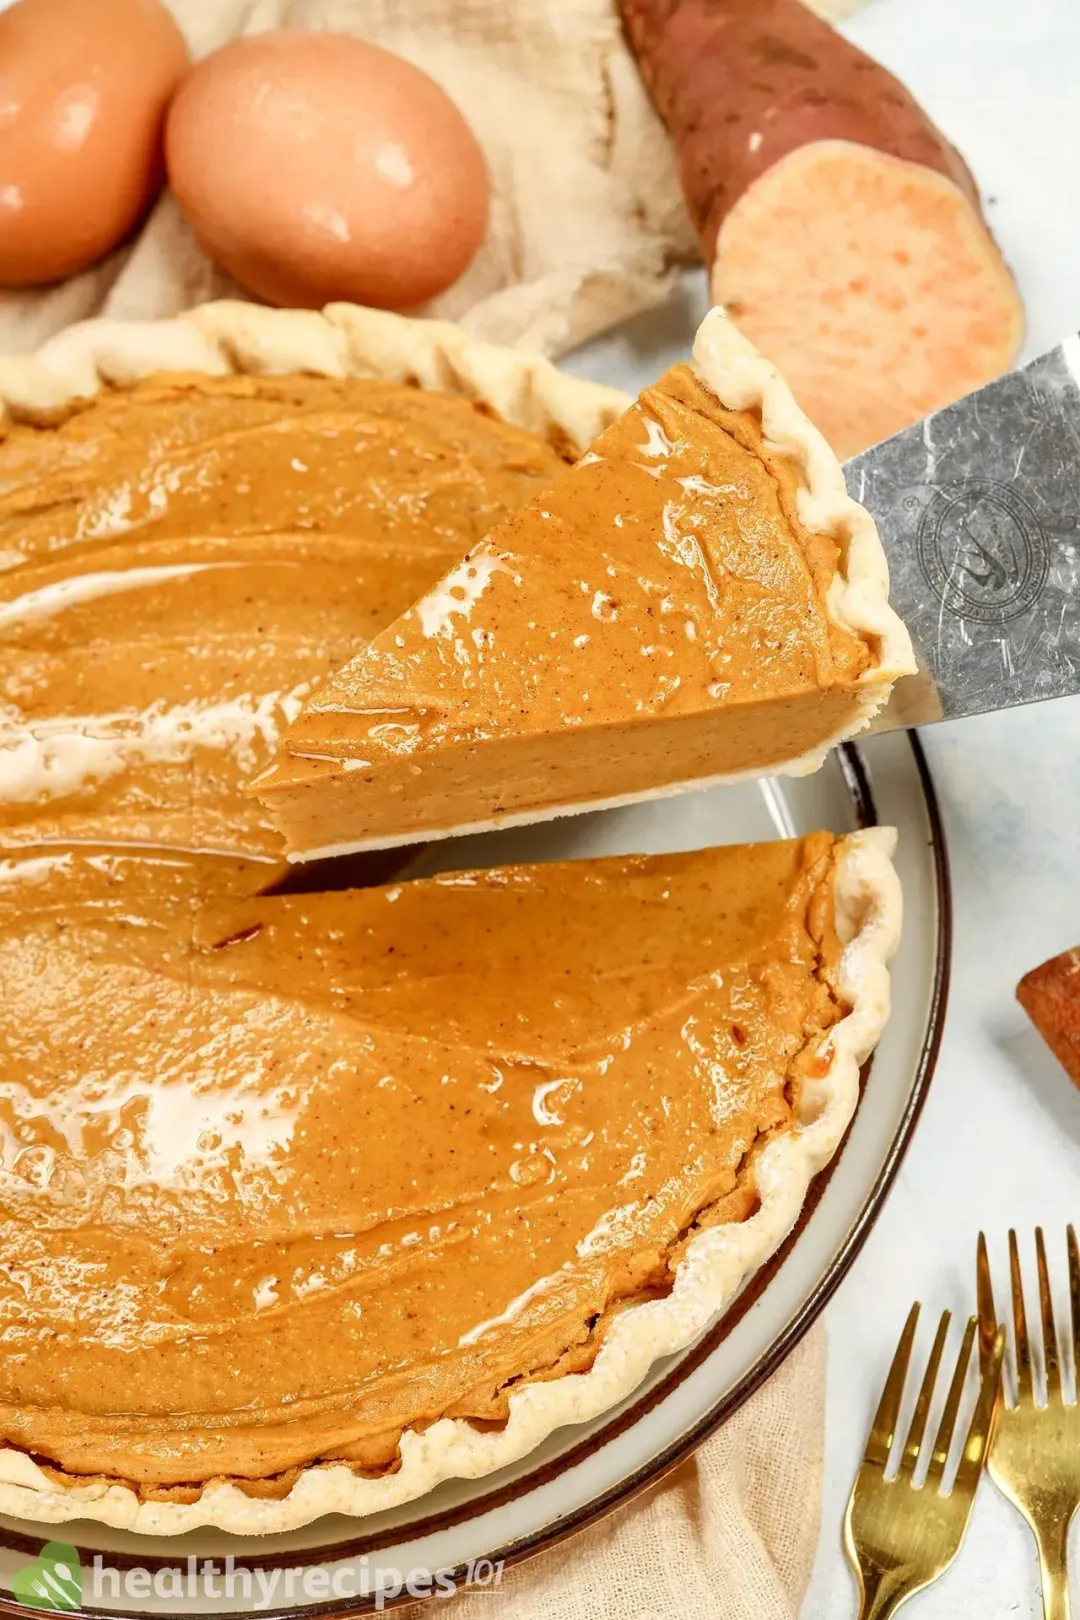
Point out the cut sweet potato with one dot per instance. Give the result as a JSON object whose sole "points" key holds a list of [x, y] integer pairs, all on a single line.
{"points": [[844, 231], [1050, 995], [895, 301]]}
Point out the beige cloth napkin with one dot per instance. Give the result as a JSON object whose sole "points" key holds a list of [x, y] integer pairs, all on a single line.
{"points": [[587, 227], [729, 1535]]}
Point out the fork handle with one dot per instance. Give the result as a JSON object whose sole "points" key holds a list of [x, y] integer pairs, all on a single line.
{"points": [[1053, 1544], [882, 1594]]}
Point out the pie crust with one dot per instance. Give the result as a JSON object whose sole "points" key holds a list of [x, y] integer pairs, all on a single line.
{"points": [[344, 340]]}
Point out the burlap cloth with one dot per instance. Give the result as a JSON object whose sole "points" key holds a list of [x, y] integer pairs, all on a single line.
{"points": [[729, 1535], [587, 227]]}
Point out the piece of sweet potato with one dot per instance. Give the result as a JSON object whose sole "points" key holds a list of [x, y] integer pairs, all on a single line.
{"points": [[843, 229], [1050, 995]]}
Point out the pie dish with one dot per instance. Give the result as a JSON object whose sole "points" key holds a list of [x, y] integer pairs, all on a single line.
{"points": [[314, 1207], [183, 1052], [695, 599]]}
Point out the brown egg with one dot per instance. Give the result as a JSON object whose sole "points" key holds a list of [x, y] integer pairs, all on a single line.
{"points": [[84, 85], [315, 167]]}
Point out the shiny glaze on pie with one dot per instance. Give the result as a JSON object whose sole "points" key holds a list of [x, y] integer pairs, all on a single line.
{"points": [[285, 1175], [659, 616], [183, 561]]}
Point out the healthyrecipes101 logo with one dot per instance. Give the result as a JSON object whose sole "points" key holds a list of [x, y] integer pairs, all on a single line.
{"points": [[52, 1581], [55, 1581]]}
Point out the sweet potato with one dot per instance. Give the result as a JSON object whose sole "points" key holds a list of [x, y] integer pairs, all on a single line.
{"points": [[844, 231], [1050, 995]]}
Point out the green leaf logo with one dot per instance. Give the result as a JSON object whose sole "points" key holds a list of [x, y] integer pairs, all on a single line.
{"points": [[52, 1581]]}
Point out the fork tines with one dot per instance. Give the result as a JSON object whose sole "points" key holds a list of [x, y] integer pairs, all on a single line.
{"points": [[900, 1535], [883, 1430], [1051, 1346]]}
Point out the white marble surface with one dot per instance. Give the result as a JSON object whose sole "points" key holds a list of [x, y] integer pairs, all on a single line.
{"points": [[999, 1142]]}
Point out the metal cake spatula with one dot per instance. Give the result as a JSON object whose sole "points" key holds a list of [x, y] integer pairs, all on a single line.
{"points": [[978, 508]]}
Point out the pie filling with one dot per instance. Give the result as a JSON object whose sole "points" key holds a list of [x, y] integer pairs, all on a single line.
{"points": [[182, 562], [657, 616], [284, 1176]]}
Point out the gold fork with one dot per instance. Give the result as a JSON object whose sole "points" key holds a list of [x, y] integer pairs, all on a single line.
{"points": [[1035, 1456], [900, 1536]]}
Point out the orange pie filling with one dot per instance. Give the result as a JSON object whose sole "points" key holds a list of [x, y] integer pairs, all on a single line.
{"points": [[283, 1177], [182, 562], [659, 616]]}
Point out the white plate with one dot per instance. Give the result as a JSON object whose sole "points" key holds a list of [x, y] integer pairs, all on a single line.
{"points": [[584, 1470]]}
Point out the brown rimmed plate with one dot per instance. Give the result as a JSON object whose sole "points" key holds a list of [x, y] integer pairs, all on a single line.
{"points": [[342, 1567]]}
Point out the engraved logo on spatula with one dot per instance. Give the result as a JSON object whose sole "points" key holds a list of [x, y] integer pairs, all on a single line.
{"points": [[983, 551]]}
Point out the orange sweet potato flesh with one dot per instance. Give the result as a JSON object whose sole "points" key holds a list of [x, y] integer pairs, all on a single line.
{"points": [[1050, 995], [844, 230]]}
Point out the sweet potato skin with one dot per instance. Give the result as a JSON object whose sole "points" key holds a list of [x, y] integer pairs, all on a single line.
{"points": [[1050, 995], [741, 83]]}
